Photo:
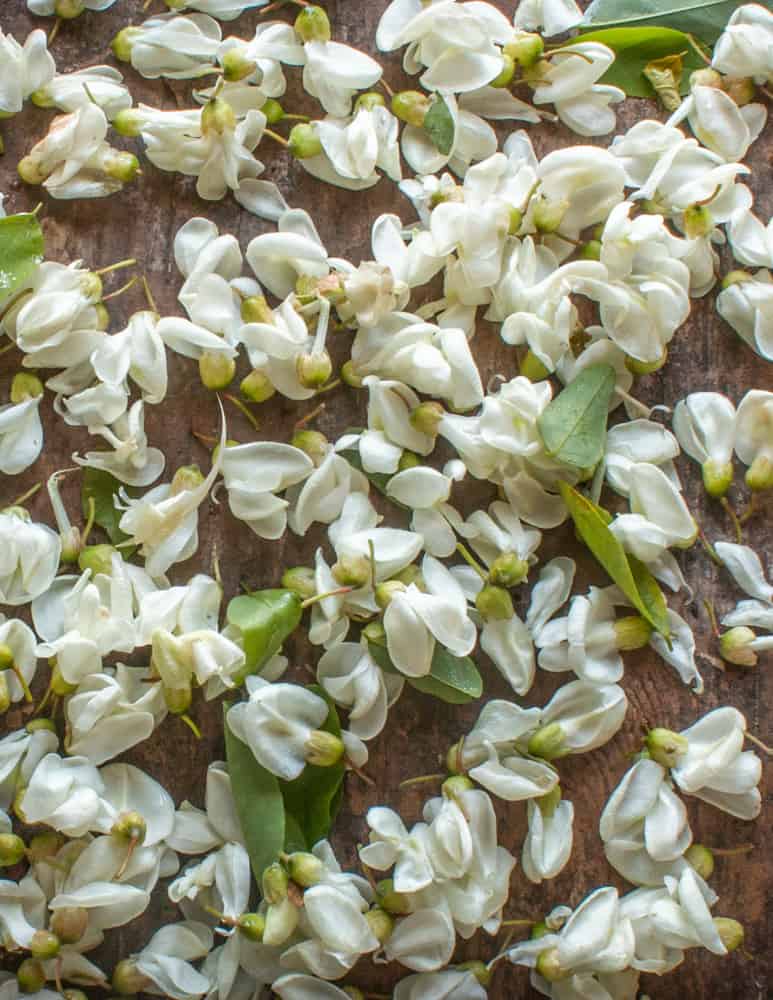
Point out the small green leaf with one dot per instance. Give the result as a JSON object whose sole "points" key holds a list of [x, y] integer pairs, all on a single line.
{"points": [[632, 577], [636, 48], [574, 425], [103, 487], [453, 679], [259, 803], [265, 619], [439, 125], [703, 18], [21, 250]]}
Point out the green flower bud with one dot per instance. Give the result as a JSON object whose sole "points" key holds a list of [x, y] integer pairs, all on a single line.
{"points": [[303, 141], [252, 926], [30, 170], [305, 869], [313, 369], [731, 933], [717, 478], [178, 699], [313, 25], [636, 367], [25, 386], [549, 803], [705, 77], [187, 477], [30, 976], [216, 370], [130, 826], [701, 859], [350, 377], [274, 884], [411, 106], [257, 387], [494, 603], [102, 321], [736, 277], [426, 418], [740, 89], [759, 475], [734, 646], [43, 846], [352, 571], [549, 967], [374, 632], [5, 695], [505, 76], [479, 969], [12, 850], [381, 924], [129, 122], [301, 580], [123, 43], [323, 749], [516, 220], [68, 9], [549, 213], [313, 443], [36, 725], [370, 100], [697, 221], [386, 591], [72, 994], [40, 98], [390, 900], [525, 48], [532, 368], [97, 558], [548, 742], [128, 979], [665, 746], [590, 250], [408, 460], [236, 66], [539, 930], [44, 945], [69, 923], [121, 166], [217, 116], [632, 632], [454, 786], [508, 570], [6, 657]]}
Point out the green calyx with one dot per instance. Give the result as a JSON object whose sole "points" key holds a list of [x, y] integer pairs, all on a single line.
{"points": [[632, 632], [12, 850], [313, 25], [323, 749], [252, 926], [508, 570], [665, 746], [25, 386], [699, 857], [389, 899], [257, 387], [411, 106], [237, 66], [123, 43], [301, 581], [731, 932], [549, 742], [216, 370], [494, 603], [734, 646]]}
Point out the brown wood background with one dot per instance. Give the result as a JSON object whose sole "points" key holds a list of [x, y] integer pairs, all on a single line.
{"points": [[706, 354]]}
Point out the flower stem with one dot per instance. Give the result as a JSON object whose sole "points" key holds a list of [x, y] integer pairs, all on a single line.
{"points": [[421, 780], [54, 31], [731, 852], [119, 291], [92, 508], [751, 509], [296, 118], [645, 411], [149, 294], [25, 496], [191, 725], [243, 410], [728, 508], [521, 922], [712, 617], [758, 743], [328, 593], [386, 87], [309, 416], [125, 863], [22, 683], [698, 48], [330, 385], [8, 347], [470, 559], [710, 550], [275, 136], [129, 262]]}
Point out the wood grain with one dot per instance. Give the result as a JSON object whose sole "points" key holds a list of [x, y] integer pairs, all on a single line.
{"points": [[705, 354]]}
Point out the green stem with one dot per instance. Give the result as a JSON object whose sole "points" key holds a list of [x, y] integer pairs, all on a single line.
{"points": [[321, 597], [275, 136], [309, 417], [149, 294], [119, 291], [712, 617], [421, 780], [728, 508], [22, 683], [119, 265], [470, 559], [191, 725], [243, 410], [92, 508], [758, 743], [25, 496]]}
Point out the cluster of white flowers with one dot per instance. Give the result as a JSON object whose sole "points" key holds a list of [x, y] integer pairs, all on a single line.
{"points": [[585, 260]]}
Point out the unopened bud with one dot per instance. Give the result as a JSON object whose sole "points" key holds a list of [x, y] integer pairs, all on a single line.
{"points": [[549, 213], [731, 933], [590, 250], [128, 979], [217, 117], [549, 966], [479, 969], [505, 76], [12, 850], [386, 591], [313, 369], [68, 9], [665, 746], [717, 478], [303, 141], [381, 924], [494, 603], [252, 926], [549, 742], [697, 221], [759, 475], [508, 570], [43, 846], [549, 802], [72, 544], [30, 170], [130, 826], [525, 48], [389, 899], [532, 368], [735, 646], [313, 25], [129, 122], [123, 43], [301, 580], [187, 477], [701, 859], [426, 418], [312, 443], [350, 377], [6, 656], [411, 106], [370, 100], [121, 166], [352, 571], [216, 370], [30, 976], [237, 66], [37, 725], [44, 945], [97, 558], [374, 632], [25, 386], [305, 869], [456, 785], [257, 387], [632, 632], [274, 884], [640, 368], [69, 923], [323, 749]]}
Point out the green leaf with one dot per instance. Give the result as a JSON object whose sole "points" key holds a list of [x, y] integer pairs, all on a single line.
{"points": [[703, 18], [313, 799], [632, 577], [378, 480], [103, 487], [21, 250], [265, 618], [574, 425], [259, 803], [635, 48], [453, 679], [439, 125]]}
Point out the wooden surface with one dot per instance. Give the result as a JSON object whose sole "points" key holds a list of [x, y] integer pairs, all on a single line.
{"points": [[705, 354]]}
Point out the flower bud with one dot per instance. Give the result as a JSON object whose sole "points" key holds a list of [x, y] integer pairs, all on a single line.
{"points": [[313, 443], [25, 386], [370, 100], [508, 570], [128, 979], [381, 924], [549, 967], [548, 742], [30, 976], [129, 122], [632, 632], [374, 632], [323, 749], [6, 657], [5, 695], [252, 926], [257, 386], [705, 77], [665, 746], [479, 969], [386, 591], [40, 98], [123, 43], [532, 368], [237, 66], [411, 106], [731, 933], [30, 170], [387, 897], [697, 221], [455, 785], [69, 923], [494, 603], [701, 859], [759, 475], [43, 846], [717, 478], [72, 545], [274, 884], [12, 850], [68, 9], [505, 76], [350, 377], [97, 558], [313, 369], [120, 165], [301, 580], [352, 571], [525, 48], [303, 141], [313, 25], [187, 477], [44, 945], [178, 699], [130, 826], [549, 802], [305, 869], [216, 370], [549, 213], [426, 418], [72, 994], [217, 116], [590, 250], [734, 646]]}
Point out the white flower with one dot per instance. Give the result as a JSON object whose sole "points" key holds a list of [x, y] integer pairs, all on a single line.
{"points": [[29, 557], [279, 259], [743, 48], [753, 437], [322, 494], [704, 422], [272, 44], [354, 146], [718, 122], [390, 844], [334, 72], [450, 984], [45, 8], [131, 462], [214, 661], [372, 292], [748, 307], [20, 753], [67, 794], [389, 431], [570, 85], [102, 85], [473, 140], [23, 69], [223, 10], [426, 492], [253, 474], [745, 566], [18, 640], [180, 48], [137, 353], [423, 941], [353, 679], [196, 831], [166, 960], [21, 433], [555, 16], [548, 842], [659, 516], [638, 441]]}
